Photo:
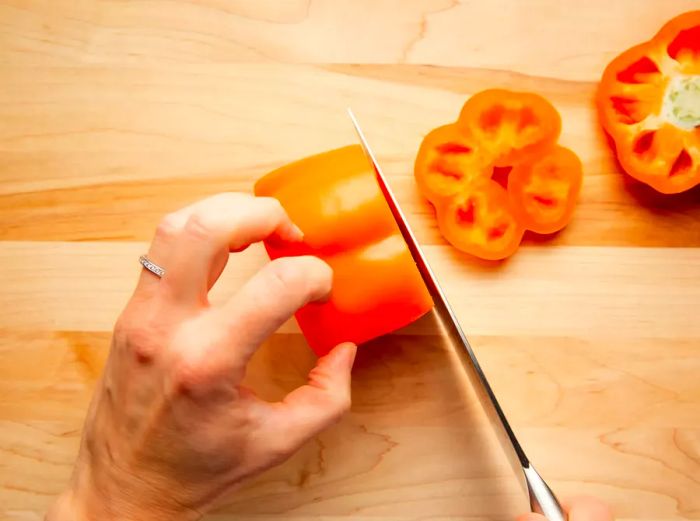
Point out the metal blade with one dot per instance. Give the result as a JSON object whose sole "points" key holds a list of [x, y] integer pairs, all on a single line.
{"points": [[451, 324], [541, 497]]}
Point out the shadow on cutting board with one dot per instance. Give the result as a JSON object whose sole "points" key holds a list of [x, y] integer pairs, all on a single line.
{"points": [[417, 442]]}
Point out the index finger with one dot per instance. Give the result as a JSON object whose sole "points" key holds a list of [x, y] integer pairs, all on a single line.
{"points": [[263, 304], [586, 508], [213, 228], [272, 296]]}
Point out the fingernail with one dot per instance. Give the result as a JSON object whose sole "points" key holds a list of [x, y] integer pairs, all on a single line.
{"points": [[352, 348], [296, 233], [342, 356]]}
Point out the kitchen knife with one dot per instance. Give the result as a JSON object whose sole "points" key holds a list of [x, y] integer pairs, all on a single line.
{"points": [[542, 499]]}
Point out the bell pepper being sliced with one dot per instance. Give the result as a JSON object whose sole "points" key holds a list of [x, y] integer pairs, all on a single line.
{"points": [[512, 126], [649, 103], [511, 132], [543, 192], [335, 199]]}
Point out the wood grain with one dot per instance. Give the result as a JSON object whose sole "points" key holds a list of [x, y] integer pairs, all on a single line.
{"points": [[83, 286], [113, 113]]}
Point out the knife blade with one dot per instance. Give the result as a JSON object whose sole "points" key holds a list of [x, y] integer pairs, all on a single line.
{"points": [[542, 499]]}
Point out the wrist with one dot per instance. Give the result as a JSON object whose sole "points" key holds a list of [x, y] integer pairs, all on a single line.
{"points": [[64, 509], [86, 500], [69, 507]]}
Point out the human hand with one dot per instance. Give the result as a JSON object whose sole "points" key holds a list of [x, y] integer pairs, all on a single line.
{"points": [[170, 430], [579, 508]]}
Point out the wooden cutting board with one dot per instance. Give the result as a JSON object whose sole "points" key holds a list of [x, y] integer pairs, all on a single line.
{"points": [[113, 113]]}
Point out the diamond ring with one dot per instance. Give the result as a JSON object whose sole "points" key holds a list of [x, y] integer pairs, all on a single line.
{"points": [[151, 266]]}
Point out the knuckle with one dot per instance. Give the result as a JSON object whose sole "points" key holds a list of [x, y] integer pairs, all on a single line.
{"points": [[186, 375], [198, 227], [299, 277], [304, 274], [138, 335], [285, 274], [141, 342], [169, 226], [198, 379]]}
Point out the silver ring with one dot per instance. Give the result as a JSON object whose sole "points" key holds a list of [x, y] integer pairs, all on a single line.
{"points": [[151, 266]]}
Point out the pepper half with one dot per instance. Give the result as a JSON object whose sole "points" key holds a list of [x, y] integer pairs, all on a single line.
{"points": [[649, 103], [335, 199]]}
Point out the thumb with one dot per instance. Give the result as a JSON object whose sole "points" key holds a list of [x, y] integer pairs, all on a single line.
{"points": [[309, 409], [581, 508], [585, 508]]}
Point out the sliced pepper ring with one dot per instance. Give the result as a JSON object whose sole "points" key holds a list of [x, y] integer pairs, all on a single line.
{"points": [[543, 193], [512, 126], [480, 221], [447, 161]]}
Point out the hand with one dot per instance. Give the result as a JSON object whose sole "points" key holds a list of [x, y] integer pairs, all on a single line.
{"points": [[578, 509], [170, 430]]}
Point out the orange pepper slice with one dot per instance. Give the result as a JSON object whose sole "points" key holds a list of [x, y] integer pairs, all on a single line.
{"points": [[481, 221], [511, 126], [543, 192], [499, 129], [649, 103], [448, 161]]}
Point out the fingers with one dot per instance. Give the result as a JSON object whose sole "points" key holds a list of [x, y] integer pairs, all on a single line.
{"points": [[192, 244], [311, 408], [272, 296], [531, 516], [581, 508], [161, 248], [256, 311], [216, 226]]}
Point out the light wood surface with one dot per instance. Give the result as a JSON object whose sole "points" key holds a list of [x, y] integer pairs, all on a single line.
{"points": [[113, 112]]}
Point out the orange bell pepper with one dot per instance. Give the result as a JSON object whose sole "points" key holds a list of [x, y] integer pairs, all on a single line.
{"points": [[543, 192], [512, 126], [480, 221], [649, 103], [498, 129], [335, 199], [448, 161]]}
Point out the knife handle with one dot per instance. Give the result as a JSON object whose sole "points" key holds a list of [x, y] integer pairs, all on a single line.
{"points": [[542, 499]]}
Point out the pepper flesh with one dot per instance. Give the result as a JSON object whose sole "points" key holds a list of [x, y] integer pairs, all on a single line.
{"points": [[449, 160], [649, 103], [513, 126], [335, 200], [511, 132], [543, 192], [480, 221]]}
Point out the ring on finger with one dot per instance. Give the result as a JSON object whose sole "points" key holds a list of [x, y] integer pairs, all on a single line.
{"points": [[151, 266]]}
